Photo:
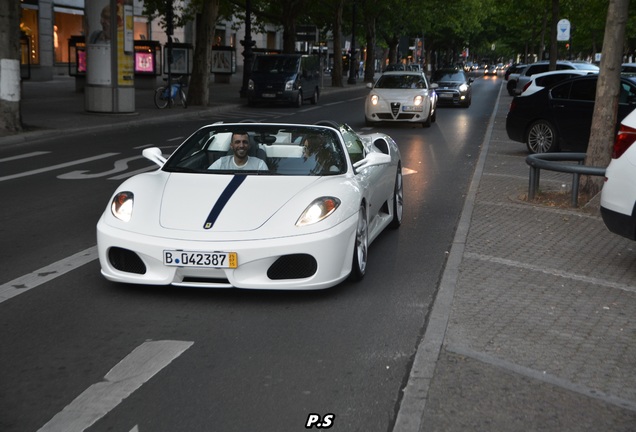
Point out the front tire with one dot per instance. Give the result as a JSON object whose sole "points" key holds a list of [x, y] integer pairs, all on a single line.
{"points": [[427, 122], [542, 137], [398, 200], [299, 100], [360, 247]]}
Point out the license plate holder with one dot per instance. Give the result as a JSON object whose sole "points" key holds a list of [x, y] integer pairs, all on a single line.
{"points": [[411, 108], [200, 259]]}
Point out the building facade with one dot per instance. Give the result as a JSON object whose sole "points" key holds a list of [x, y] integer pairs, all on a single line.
{"points": [[53, 33]]}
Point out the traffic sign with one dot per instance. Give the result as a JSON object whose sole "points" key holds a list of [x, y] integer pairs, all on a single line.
{"points": [[563, 30]]}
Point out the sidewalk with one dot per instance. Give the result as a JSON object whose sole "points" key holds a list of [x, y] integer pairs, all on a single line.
{"points": [[535, 318], [55, 107], [534, 325]]}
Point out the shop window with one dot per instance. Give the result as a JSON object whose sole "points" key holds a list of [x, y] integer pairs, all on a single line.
{"points": [[67, 22], [141, 29], [29, 28]]}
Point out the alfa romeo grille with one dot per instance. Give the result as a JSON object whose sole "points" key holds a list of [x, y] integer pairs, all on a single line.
{"points": [[395, 108]]}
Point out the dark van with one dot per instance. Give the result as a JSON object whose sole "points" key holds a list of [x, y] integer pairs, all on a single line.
{"points": [[290, 78]]}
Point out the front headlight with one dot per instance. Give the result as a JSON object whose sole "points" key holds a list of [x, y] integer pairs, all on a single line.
{"points": [[374, 99], [289, 85], [319, 209], [122, 206], [418, 100], [250, 84], [463, 88]]}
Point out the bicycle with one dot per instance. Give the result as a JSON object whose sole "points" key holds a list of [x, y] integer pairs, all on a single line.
{"points": [[167, 96]]}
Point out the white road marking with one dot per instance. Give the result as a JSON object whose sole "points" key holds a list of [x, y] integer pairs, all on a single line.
{"points": [[45, 274], [120, 382], [132, 173], [119, 166], [56, 167], [24, 156]]}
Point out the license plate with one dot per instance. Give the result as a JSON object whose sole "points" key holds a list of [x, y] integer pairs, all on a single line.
{"points": [[408, 108], [200, 259], [269, 95], [445, 95]]}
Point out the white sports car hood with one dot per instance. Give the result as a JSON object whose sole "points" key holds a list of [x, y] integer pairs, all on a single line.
{"points": [[225, 203]]}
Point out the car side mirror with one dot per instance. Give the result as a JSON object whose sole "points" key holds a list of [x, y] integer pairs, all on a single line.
{"points": [[372, 159], [154, 154], [369, 85]]}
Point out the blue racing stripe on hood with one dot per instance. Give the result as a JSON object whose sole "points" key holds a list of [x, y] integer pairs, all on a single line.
{"points": [[223, 200]]}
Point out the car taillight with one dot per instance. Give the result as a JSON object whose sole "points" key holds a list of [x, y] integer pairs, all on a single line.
{"points": [[513, 105], [625, 138], [525, 87]]}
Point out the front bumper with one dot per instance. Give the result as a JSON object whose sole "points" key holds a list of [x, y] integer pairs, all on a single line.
{"points": [[332, 251], [395, 112], [286, 96], [451, 97]]}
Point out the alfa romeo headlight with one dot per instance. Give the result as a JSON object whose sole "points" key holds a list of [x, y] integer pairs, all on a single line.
{"points": [[122, 206], [374, 99], [319, 209], [418, 100]]}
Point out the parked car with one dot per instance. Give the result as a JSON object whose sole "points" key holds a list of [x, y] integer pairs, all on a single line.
{"points": [[618, 197], [454, 87], [514, 68], [550, 78], [401, 96], [560, 117], [301, 220], [515, 85], [628, 68], [288, 78]]}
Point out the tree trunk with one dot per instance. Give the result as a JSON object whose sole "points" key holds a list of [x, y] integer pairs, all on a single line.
{"points": [[199, 90], [10, 119], [554, 47], [603, 129], [336, 73], [369, 67]]}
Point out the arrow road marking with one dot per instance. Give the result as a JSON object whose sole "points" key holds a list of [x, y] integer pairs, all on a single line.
{"points": [[127, 376], [120, 166]]}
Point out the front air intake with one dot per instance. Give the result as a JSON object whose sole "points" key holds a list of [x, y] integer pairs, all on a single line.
{"points": [[297, 266], [126, 261]]}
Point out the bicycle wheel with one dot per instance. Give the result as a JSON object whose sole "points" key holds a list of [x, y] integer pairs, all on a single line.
{"points": [[161, 101], [182, 96]]}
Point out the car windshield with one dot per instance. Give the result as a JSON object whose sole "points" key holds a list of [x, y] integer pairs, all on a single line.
{"points": [[413, 81], [261, 149], [275, 64], [449, 76]]}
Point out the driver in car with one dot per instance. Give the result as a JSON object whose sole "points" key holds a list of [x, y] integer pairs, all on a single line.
{"points": [[240, 159]]}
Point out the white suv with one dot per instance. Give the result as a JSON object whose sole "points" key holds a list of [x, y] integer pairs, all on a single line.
{"points": [[618, 197]]}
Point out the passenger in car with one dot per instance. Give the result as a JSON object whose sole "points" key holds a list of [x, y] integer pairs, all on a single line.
{"points": [[316, 147], [239, 159]]}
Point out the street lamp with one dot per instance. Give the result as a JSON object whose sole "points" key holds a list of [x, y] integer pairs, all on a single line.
{"points": [[352, 57], [248, 44]]}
